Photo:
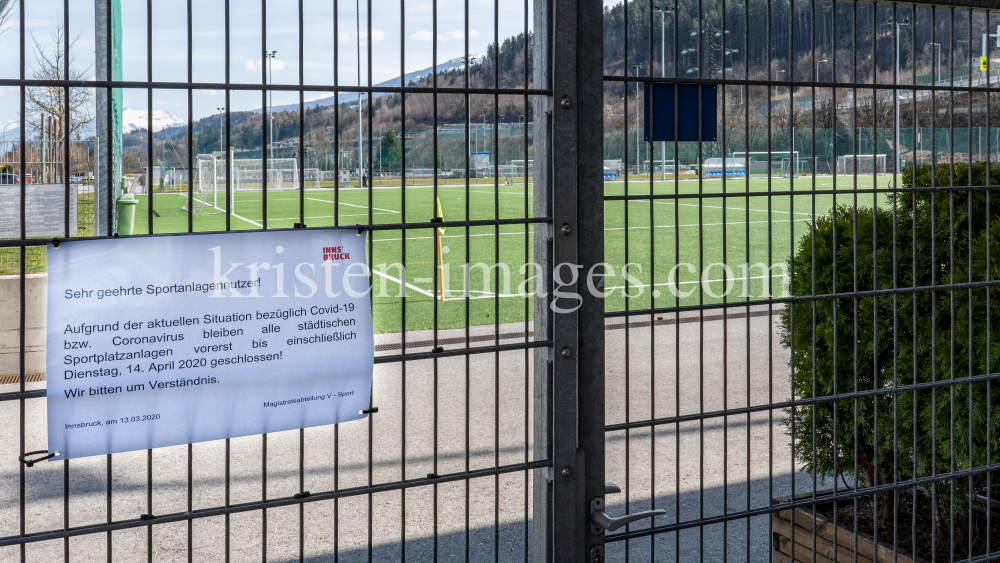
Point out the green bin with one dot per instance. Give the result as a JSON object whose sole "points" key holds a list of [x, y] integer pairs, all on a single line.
{"points": [[126, 214]]}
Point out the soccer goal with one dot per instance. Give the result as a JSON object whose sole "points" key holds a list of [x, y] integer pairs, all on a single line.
{"points": [[210, 179], [794, 166], [766, 162], [282, 174], [851, 164], [312, 178]]}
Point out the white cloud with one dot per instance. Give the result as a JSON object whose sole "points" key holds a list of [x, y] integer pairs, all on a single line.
{"points": [[254, 66], [456, 35], [209, 92], [377, 35]]}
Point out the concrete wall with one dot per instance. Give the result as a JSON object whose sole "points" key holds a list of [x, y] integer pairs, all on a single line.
{"points": [[34, 322]]}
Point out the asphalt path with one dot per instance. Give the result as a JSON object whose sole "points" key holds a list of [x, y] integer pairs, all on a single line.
{"points": [[469, 414]]}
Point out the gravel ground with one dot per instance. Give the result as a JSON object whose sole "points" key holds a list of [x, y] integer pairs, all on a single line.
{"points": [[699, 468]]}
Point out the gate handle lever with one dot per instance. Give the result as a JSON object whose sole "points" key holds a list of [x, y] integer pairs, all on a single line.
{"points": [[600, 521]]}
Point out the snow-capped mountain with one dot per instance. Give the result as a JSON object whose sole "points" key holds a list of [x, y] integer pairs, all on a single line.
{"points": [[350, 97], [133, 119]]}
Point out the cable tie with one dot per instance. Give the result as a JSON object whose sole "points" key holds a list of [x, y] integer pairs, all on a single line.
{"points": [[372, 410], [432, 475], [31, 462], [303, 494], [299, 226], [55, 242], [438, 350], [146, 517], [437, 220]]}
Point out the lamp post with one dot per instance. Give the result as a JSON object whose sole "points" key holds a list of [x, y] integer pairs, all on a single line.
{"points": [[270, 103], [937, 78], [903, 22], [663, 73], [817, 68]]}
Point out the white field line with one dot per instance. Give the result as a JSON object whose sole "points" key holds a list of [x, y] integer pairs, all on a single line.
{"points": [[675, 284], [490, 295], [322, 217], [352, 205], [501, 192], [233, 213], [397, 280], [721, 207], [517, 233], [449, 236], [779, 221], [483, 294]]}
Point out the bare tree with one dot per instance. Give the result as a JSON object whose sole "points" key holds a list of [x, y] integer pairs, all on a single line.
{"points": [[876, 110], [6, 12], [43, 101]]}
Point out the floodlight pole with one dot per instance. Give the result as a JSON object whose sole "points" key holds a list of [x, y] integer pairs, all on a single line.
{"points": [[900, 23], [222, 141], [357, 22], [270, 105], [663, 74], [636, 121], [4, 148]]}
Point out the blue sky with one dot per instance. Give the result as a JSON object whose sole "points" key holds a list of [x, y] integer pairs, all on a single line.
{"points": [[169, 44]]}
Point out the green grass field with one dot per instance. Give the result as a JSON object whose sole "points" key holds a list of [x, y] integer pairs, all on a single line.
{"points": [[737, 226]]}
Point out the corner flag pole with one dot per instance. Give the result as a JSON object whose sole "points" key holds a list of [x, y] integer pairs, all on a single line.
{"points": [[437, 235]]}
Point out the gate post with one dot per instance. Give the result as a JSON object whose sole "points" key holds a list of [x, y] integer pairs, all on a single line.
{"points": [[568, 186]]}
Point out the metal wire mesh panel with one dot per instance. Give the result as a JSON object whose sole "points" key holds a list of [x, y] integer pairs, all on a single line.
{"points": [[792, 372], [293, 116]]}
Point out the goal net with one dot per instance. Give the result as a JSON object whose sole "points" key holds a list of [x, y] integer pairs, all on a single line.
{"points": [[210, 179], [851, 164], [312, 178], [249, 174], [767, 162], [794, 166]]}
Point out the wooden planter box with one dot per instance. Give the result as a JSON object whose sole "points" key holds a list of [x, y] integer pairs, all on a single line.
{"points": [[806, 521]]}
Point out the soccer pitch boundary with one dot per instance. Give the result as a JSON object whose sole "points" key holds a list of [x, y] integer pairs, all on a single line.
{"points": [[659, 232], [380, 211]]}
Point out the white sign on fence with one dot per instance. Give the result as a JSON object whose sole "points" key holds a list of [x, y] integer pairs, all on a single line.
{"points": [[44, 210], [162, 341]]}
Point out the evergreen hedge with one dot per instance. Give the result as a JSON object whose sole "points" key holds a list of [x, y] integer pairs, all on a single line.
{"points": [[930, 332]]}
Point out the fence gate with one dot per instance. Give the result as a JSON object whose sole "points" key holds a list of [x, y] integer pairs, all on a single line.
{"points": [[804, 353], [656, 280]]}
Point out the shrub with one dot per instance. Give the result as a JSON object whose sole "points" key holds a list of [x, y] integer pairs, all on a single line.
{"points": [[863, 342]]}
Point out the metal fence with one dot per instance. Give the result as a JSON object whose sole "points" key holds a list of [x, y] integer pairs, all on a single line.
{"points": [[697, 365], [840, 410]]}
